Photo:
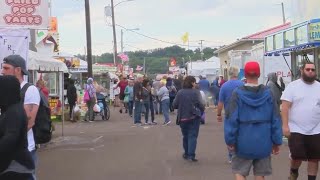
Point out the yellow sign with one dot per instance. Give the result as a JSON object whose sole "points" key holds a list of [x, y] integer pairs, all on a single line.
{"points": [[75, 62], [314, 31]]}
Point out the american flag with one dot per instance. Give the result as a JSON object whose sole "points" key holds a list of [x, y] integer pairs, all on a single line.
{"points": [[123, 57], [139, 68]]}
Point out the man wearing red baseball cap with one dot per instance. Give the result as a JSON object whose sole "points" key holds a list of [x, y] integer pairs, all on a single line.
{"points": [[252, 126]]}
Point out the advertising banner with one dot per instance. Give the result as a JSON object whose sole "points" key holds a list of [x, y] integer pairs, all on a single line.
{"points": [[24, 13], [14, 41], [314, 31]]}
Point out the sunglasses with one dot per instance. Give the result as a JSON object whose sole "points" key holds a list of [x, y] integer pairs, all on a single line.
{"points": [[310, 69]]}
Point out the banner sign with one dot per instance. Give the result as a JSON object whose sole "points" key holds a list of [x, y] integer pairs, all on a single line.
{"points": [[101, 69], [14, 41], [314, 31], [24, 13]]}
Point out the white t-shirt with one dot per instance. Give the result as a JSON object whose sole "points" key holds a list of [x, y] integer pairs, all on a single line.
{"points": [[32, 96], [304, 115]]}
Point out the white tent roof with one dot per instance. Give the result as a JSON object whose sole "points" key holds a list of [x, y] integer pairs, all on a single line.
{"points": [[210, 67], [45, 63]]}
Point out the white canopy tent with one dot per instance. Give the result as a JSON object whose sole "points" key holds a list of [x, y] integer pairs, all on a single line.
{"points": [[210, 68], [39, 62], [43, 63]]}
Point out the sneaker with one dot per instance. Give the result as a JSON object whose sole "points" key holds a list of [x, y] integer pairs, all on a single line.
{"points": [[293, 176], [166, 123], [90, 121], [192, 159], [184, 156], [126, 111], [154, 123], [145, 124], [120, 111]]}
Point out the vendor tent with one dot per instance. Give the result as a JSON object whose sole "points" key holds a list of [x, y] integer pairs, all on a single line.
{"points": [[210, 68], [40, 62]]}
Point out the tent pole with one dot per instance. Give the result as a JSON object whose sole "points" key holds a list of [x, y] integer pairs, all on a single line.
{"points": [[62, 100]]}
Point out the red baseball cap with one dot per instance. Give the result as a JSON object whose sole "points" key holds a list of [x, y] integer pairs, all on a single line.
{"points": [[252, 68]]}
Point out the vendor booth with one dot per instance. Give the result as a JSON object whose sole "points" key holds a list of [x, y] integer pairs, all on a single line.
{"points": [[51, 71], [301, 42]]}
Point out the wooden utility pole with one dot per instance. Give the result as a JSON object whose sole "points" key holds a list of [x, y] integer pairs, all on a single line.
{"points": [[88, 30], [114, 33]]}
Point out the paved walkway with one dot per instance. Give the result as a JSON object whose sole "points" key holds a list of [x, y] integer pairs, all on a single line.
{"points": [[115, 150]]}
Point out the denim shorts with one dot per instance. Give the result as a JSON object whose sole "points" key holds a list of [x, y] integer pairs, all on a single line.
{"points": [[242, 166]]}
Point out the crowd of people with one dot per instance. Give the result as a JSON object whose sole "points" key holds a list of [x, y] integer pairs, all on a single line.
{"points": [[255, 116]]}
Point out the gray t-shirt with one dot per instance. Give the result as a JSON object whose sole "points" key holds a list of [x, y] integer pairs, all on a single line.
{"points": [[163, 93]]}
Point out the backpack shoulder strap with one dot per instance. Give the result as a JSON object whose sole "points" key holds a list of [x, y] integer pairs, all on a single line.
{"points": [[24, 90]]}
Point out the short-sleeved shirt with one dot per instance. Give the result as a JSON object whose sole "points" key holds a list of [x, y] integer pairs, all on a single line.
{"points": [[122, 85], [91, 90], [226, 91], [32, 96], [304, 114]]}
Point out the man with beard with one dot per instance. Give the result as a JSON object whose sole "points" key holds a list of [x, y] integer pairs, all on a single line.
{"points": [[301, 121]]}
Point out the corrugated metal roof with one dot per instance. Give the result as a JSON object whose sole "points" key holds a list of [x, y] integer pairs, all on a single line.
{"points": [[254, 37], [263, 34]]}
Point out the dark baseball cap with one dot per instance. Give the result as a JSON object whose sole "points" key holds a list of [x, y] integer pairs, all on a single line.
{"points": [[16, 61]]}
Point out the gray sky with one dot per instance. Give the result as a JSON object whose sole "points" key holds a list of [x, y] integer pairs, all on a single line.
{"points": [[218, 22]]}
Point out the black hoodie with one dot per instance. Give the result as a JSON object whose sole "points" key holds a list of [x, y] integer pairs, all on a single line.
{"points": [[13, 125]]}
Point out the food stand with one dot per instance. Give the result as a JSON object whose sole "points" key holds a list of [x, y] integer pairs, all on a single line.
{"points": [[301, 41], [52, 72]]}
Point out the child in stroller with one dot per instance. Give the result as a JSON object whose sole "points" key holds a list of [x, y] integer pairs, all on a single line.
{"points": [[104, 109]]}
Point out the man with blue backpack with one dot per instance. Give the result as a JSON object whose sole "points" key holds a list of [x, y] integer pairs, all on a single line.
{"points": [[252, 127]]}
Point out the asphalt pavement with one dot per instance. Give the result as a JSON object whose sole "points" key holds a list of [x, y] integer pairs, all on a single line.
{"points": [[117, 150]]}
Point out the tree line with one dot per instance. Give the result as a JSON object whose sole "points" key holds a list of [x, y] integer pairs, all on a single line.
{"points": [[157, 60]]}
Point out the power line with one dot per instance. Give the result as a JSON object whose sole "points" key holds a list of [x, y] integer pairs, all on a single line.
{"points": [[156, 39]]}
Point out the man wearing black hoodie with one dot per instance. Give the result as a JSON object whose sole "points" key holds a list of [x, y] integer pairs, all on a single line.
{"points": [[275, 88], [15, 160]]}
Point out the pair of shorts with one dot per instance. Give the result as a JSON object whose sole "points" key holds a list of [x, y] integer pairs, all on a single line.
{"points": [[304, 147], [242, 166], [121, 96]]}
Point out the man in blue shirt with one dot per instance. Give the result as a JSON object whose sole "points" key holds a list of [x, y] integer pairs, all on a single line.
{"points": [[226, 93]]}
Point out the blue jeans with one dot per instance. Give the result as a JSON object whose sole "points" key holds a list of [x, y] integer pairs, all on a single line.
{"points": [[152, 111], [216, 99], [130, 107], [35, 160], [156, 106], [165, 105], [190, 131], [137, 111], [146, 105]]}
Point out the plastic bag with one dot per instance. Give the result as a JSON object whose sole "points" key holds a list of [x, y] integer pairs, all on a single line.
{"points": [[126, 99], [76, 109], [96, 108]]}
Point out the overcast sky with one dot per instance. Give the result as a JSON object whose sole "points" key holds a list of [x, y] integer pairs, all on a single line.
{"points": [[218, 22]]}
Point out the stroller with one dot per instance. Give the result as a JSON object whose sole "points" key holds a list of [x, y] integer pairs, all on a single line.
{"points": [[104, 108]]}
